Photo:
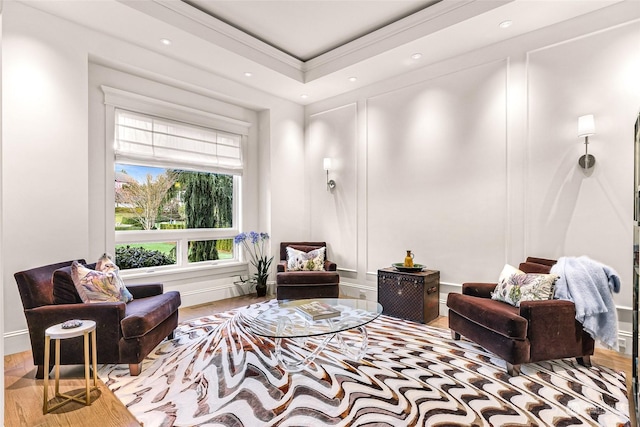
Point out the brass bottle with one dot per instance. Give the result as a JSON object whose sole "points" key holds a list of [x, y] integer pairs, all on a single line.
{"points": [[408, 260]]}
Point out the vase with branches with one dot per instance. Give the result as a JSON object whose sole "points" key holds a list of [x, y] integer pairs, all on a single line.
{"points": [[255, 246]]}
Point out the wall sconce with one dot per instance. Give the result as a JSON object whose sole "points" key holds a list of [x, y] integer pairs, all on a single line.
{"points": [[586, 127], [326, 164]]}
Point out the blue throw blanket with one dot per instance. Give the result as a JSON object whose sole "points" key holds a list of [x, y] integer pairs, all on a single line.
{"points": [[589, 285]]}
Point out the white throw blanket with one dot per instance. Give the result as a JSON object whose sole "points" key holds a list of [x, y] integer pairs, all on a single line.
{"points": [[589, 285]]}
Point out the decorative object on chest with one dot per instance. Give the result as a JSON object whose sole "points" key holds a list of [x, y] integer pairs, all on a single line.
{"points": [[408, 260], [412, 296]]}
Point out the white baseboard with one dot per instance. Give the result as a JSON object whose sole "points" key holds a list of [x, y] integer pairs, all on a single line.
{"points": [[16, 341], [215, 293], [353, 290], [626, 338]]}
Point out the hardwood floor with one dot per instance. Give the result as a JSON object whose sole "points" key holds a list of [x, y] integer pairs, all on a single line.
{"points": [[23, 393]]}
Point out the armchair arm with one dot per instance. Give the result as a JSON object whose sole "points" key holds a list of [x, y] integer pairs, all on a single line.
{"points": [[145, 290], [281, 266], [548, 313], [553, 330], [482, 290], [48, 315], [106, 315], [330, 265]]}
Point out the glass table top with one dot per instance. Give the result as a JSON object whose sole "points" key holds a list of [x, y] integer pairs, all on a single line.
{"points": [[285, 319]]}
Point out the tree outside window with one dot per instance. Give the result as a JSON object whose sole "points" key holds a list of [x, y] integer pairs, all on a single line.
{"points": [[152, 199]]}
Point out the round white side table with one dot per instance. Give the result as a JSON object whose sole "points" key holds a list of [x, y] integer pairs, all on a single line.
{"points": [[57, 333]]}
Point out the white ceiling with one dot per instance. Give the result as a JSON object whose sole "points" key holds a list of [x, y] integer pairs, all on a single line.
{"points": [[307, 47], [305, 29]]}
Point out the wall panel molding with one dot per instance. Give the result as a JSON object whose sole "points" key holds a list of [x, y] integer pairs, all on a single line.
{"points": [[422, 114], [333, 215]]}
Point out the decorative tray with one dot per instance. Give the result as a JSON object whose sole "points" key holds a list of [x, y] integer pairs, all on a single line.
{"points": [[400, 267]]}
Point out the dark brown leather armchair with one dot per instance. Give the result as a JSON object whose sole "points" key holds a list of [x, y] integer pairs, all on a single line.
{"points": [[125, 333], [536, 331], [306, 284]]}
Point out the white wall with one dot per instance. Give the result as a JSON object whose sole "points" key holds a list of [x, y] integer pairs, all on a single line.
{"points": [[44, 162], [53, 207], [436, 173], [472, 162], [1, 226], [284, 198]]}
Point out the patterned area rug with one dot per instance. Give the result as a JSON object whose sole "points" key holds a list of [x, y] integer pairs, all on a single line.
{"points": [[217, 373]]}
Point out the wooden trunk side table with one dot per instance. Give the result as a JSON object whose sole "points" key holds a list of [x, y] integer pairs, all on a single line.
{"points": [[411, 296], [57, 333]]}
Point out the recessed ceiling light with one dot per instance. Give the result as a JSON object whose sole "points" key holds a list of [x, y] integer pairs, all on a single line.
{"points": [[353, 79], [248, 74], [304, 96], [416, 56], [165, 42], [505, 24]]}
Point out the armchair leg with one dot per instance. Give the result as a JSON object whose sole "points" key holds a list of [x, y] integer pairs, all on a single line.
{"points": [[135, 369], [455, 335], [40, 372], [584, 361], [171, 336], [513, 370]]}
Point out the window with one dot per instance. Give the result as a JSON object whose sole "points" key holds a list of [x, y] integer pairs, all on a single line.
{"points": [[176, 191]]}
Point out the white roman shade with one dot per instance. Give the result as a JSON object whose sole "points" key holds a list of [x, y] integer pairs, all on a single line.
{"points": [[152, 141]]}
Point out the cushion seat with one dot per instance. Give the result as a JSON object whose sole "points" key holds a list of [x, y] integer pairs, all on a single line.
{"points": [[142, 315], [497, 316], [307, 277]]}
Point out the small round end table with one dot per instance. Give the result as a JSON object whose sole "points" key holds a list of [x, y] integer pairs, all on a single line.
{"points": [[57, 333]]}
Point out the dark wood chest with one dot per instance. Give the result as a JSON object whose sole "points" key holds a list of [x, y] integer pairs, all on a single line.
{"points": [[411, 296]]}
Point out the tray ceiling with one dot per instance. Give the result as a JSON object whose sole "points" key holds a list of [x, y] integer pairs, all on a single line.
{"points": [[306, 29], [309, 50]]}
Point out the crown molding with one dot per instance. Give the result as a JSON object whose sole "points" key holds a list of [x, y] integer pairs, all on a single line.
{"points": [[420, 24], [417, 25], [198, 23]]}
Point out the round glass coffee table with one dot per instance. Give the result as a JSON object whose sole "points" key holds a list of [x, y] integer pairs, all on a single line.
{"points": [[288, 321]]}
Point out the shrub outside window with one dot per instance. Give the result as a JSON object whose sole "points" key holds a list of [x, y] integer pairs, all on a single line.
{"points": [[153, 202]]}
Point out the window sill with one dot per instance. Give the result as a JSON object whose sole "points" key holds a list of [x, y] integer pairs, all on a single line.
{"points": [[206, 269]]}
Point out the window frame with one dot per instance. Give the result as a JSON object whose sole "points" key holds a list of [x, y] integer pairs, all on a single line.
{"points": [[120, 99]]}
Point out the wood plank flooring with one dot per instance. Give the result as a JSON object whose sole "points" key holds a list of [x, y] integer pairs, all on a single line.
{"points": [[23, 393]]}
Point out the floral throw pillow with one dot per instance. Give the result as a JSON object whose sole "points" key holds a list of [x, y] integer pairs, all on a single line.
{"points": [[106, 265], [100, 285], [305, 261], [515, 286]]}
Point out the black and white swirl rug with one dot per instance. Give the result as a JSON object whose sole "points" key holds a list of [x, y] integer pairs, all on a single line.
{"points": [[217, 373]]}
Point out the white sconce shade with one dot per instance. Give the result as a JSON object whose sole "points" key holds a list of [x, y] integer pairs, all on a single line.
{"points": [[586, 126]]}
